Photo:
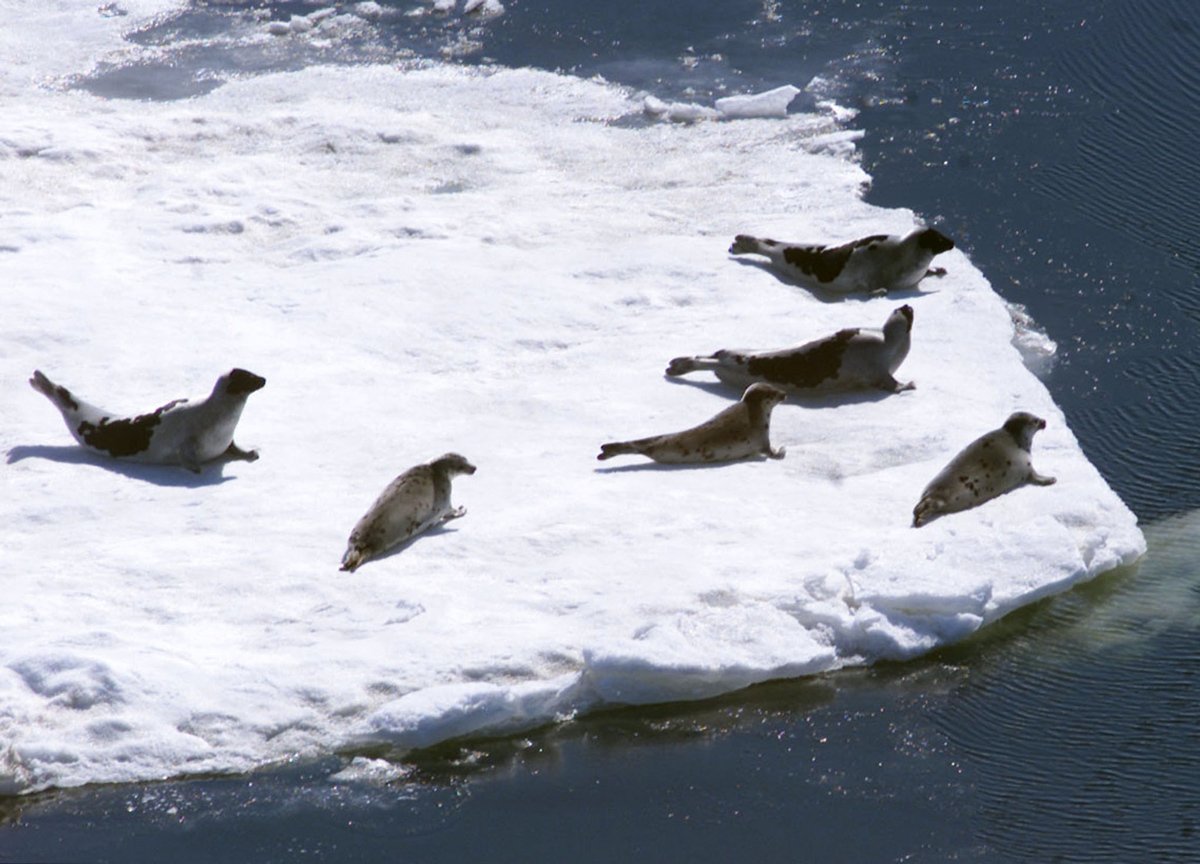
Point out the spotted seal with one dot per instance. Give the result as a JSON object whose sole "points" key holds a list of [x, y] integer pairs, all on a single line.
{"points": [[856, 358], [871, 265], [989, 466], [181, 432], [412, 503], [741, 431]]}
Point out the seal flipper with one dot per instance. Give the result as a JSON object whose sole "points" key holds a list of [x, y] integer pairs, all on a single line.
{"points": [[236, 453], [891, 385], [83, 419], [926, 509], [353, 559], [619, 448]]}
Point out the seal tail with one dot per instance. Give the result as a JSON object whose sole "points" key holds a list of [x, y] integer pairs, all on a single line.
{"points": [[744, 244], [681, 366], [607, 451], [60, 396], [618, 448]]}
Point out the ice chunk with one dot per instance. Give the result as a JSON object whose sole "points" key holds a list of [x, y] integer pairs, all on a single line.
{"points": [[772, 103]]}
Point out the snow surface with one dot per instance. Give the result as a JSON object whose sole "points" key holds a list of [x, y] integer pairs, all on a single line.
{"points": [[430, 259]]}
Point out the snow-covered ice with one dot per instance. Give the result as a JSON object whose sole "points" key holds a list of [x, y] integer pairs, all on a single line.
{"points": [[436, 258]]}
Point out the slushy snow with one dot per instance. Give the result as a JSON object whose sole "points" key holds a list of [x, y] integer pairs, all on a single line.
{"points": [[437, 258]]}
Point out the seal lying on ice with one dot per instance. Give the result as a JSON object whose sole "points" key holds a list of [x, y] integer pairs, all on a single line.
{"points": [[741, 431], [181, 432], [989, 466], [856, 358], [415, 501], [871, 265]]}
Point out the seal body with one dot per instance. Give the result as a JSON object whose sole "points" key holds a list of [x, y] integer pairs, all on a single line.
{"points": [[741, 431], [989, 466], [181, 432], [412, 503], [857, 358], [872, 265]]}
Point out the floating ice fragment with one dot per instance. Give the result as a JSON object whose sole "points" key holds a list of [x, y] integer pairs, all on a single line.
{"points": [[1038, 351], [483, 8], [376, 772], [772, 103], [679, 112], [369, 10]]}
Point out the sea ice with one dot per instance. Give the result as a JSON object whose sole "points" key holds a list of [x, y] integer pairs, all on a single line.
{"points": [[473, 260]]}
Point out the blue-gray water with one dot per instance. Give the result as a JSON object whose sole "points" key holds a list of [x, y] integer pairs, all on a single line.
{"points": [[1056, 142]]}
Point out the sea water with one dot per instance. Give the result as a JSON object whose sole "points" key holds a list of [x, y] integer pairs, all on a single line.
{"points": [[925, 718]]}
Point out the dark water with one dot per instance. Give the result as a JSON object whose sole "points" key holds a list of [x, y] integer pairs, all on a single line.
{"points": [[1058, 146]]}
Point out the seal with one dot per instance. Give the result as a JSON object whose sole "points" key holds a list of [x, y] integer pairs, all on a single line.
{"points": [[741, 431], [412, 503], [857, 358], [873, 265], [989, 466], [185, 433]]}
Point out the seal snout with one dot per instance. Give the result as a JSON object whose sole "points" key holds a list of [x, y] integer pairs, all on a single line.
{"points": [[453, 462], [935, 241], [242, 382], [907, 312]]}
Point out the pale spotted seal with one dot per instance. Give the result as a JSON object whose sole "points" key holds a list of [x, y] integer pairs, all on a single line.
{"points": [[989, 466], [741, 431], [856, 358], [872, 265], [181, 432], [415, 501]]}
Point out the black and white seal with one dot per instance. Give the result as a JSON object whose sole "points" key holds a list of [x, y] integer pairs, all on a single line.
{"points": [[181, 432], [872, 265], [741, 431], [989, 466], [415, 501], [857, 358]]}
